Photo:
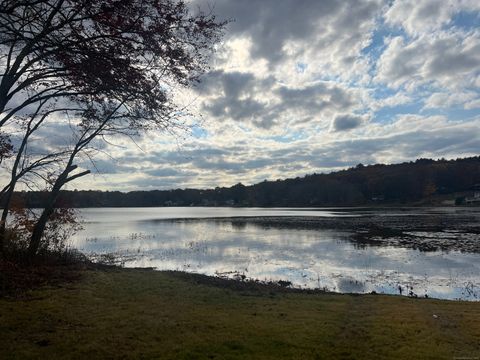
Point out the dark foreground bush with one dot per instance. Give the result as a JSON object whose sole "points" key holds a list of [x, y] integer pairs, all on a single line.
{"points": [[19, 272]]}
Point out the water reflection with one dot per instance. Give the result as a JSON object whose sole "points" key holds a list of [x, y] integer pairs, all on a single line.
{"points": [[267, 250]]}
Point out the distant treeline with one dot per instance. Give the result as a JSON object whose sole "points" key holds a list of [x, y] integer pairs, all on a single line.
{"points": [[362, 185]]}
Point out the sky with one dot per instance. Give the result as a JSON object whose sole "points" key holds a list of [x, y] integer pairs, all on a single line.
{"points": [[306, 86]]}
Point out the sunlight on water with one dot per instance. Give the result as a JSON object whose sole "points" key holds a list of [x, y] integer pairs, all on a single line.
{"points": [[179, 239]]}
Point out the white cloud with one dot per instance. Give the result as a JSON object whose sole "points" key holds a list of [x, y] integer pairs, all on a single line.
{"points": [[421, 17], [469, 100], [293, 90], [447, 59]]}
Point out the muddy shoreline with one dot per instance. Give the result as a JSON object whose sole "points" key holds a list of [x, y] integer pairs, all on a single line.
{"points": [[423, 231]]}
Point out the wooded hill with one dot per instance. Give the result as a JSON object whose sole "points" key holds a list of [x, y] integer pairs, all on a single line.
{"points": [[405, 183]]}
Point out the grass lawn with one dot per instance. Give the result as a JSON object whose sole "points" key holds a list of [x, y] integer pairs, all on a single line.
{"points": [[121, 313]]}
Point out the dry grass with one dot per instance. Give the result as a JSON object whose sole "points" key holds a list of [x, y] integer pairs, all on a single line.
{"points": [[119, 313]]}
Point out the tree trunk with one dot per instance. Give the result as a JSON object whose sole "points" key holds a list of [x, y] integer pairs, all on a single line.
{"points": [[47, 211], [3, 230], [3, 220], [13, 182], [38, 231], [50, 205]]}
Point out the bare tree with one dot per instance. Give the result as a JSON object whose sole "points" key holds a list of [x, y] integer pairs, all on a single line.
{"points": [[6, 148], [26, 163], [116, 60], [61, 48]]}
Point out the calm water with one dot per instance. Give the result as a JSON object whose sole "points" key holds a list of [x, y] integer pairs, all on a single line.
{"points": [[209, 241]]}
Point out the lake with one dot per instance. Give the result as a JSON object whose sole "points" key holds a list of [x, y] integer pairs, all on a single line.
{"points": [[432, 252]]}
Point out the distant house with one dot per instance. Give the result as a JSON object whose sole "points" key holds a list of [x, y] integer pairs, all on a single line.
{"points": [[475, 199]]}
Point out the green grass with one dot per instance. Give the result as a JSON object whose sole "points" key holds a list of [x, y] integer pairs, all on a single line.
{"points": [[119, 313]]}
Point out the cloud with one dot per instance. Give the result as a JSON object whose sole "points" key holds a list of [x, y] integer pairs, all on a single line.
{"points": [[232, 84], [424, 16], [271, 36], [252, 160], [469, 100], [266, 102], [275, 26], [314, 86], [233, 95], [316, 97], [346, 122], [448, 59]]}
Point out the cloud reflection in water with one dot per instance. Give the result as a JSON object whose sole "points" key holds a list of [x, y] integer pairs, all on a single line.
{"points": [[310, 258]]}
